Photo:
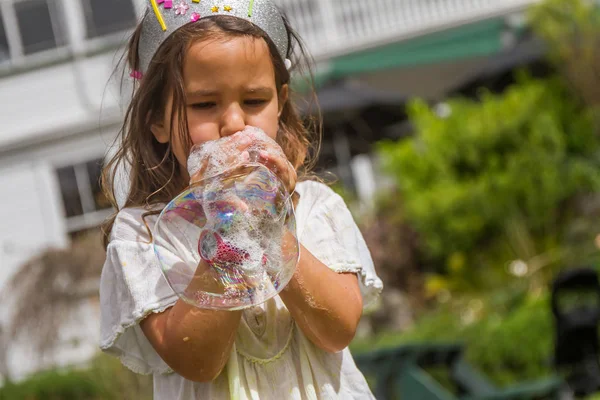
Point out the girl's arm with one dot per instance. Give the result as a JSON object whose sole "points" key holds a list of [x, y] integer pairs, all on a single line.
{"points": [[326, 305], [195, 343]]}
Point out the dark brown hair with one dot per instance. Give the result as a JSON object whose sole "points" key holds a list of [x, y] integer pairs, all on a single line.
{"points": [[155, 175]]}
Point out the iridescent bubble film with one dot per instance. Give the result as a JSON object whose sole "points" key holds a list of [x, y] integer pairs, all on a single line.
{"points": [[229, 242]]}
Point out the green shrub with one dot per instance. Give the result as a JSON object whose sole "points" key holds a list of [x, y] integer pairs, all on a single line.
{"points": [[54, 385], [503, 192], [515, 159], [104, 379], [571, 30]]}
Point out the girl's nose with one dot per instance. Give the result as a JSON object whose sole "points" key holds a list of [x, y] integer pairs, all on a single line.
{"points": [[233, 121]]}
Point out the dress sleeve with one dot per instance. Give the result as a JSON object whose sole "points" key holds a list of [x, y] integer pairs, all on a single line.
{"points": [[333, 237], [131, 287]]}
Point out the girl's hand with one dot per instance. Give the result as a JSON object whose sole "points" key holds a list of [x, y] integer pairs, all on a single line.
{"points": [[236, 149], [241, 148], [280, 165]]}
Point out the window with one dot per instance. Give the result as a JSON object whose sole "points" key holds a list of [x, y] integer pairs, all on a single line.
{"points": [[37, 29], [4, 50], [85, 206], [67, 179], [104, 17], [34, 32], [34, 27]]}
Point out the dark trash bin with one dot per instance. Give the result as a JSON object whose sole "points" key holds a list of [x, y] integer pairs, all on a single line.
{"points": [[576, 310]]}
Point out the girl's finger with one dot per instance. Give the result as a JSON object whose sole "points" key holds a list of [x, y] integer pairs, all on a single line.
{"points": [[237, 147], [243, 142], [281, 167], [233, 150], [200, 173]]}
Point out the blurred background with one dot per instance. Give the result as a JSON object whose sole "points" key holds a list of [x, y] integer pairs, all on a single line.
{"points": [[464, 135]]}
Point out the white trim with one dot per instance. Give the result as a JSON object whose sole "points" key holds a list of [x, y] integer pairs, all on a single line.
{"points": [[56, 11], [75, 24], [84, 187], [114, 41], [378, 23], [87, 221], [90, 217], [38, 58], [382, 22], [73, 154], [67, 18], [331, 28], [2, 17], [90, 124], [49, 190], [85, 6], [18, 58], [11, 28]]}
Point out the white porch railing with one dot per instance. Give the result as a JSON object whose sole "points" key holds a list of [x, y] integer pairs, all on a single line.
{"points": [[329, 27], [335, 27]]}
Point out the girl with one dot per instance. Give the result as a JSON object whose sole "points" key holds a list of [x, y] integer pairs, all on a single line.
{"points": [[205, 70]]}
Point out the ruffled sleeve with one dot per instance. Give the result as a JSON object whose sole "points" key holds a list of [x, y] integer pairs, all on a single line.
{"points": [[332, 236], [131, 287]]}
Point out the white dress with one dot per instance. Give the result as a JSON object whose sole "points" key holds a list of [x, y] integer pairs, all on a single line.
{"points": [[271, 357]]}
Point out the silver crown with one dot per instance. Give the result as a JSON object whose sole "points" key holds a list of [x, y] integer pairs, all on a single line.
{"points": [[166, 16]]}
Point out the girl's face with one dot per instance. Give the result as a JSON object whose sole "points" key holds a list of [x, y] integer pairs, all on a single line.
{"points": [[229, 83]]}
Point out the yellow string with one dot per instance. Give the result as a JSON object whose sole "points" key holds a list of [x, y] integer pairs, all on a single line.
{"points": [[263, 361]]}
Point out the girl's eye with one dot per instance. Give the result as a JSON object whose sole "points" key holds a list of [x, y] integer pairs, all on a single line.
{"points": [[203, 106], [255, 102]]}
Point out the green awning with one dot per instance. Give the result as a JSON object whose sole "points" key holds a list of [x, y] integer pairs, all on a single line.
{"points": [[474, 40], [479, 39]]}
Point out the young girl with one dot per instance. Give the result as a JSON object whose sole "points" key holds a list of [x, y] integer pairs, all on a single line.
{"points": [[205, 70]]}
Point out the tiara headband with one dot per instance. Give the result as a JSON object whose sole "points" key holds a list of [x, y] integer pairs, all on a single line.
{"points": [[166, 16]]}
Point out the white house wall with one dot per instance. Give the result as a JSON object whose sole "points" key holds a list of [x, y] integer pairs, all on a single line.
{"points": [[32, 212], [56, 101], [32, 220], [28, 215]]}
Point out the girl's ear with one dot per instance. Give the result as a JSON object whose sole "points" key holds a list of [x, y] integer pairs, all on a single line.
{"points": [[160, 133], [283, 97]]}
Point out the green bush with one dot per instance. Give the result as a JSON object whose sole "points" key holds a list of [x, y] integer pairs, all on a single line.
{"points": [[54, 385], [503, 192], [104, 379], [571, 30], [471, 175]]}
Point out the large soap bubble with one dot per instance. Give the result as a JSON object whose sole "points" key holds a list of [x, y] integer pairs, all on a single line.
{"points": [[229, 241]]}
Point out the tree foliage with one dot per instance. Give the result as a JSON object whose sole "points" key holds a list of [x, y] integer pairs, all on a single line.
{"points": [[49, 288], [471, 173], [571, 30]]}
